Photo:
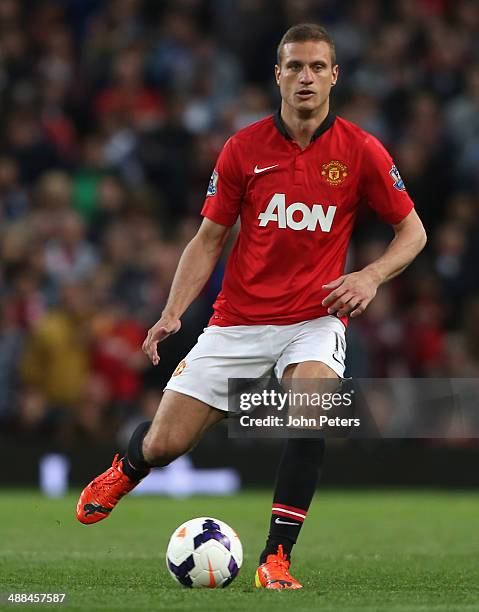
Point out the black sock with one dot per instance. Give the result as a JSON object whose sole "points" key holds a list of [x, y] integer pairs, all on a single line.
{"points": [[296, 481], [134, 464]]}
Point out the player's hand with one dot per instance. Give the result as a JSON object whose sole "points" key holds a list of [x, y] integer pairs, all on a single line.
{"points": [[351, 293], [163, 328]]}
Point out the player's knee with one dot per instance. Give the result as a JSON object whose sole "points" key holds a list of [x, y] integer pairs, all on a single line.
{"points": [[163, 449]]}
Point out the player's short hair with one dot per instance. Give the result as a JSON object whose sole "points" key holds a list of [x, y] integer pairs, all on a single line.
{"points": [[304, 32]]}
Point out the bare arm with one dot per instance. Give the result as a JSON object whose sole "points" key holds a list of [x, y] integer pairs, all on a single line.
{"points": [[194, 269], [352, 292]]}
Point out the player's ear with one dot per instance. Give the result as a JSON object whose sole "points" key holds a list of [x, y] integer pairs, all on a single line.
{"points": [[335, 74], [277, 71]]}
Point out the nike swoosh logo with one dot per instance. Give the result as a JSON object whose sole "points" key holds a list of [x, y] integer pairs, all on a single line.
{"points": [[280, 522], [259, 170], [212, 583]]}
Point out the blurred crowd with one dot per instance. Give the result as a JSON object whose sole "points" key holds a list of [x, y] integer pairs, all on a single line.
{"points": [[112, 114]]}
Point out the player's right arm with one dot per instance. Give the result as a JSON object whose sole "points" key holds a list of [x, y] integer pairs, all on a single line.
{"points": [[194, 269], [220, 212]]}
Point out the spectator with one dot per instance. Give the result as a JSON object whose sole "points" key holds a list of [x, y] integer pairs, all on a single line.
{"points": [[11, 342], [68, 255], [117, 357], [14, 200], [56, 357], [28, 144]]}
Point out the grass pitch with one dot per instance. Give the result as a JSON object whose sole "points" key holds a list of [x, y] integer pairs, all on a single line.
{"points": [[399, 551]]}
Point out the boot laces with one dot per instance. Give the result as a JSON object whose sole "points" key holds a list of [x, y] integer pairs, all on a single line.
{"points": [[278, 565], [112, 476]]}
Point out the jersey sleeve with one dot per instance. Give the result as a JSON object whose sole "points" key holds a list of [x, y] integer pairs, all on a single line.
{"points": [[225, 189], [381, 183]]}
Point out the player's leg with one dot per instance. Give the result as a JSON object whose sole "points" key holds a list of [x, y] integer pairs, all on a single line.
{"points": [[179, 423], [297, 477], [315, 352], [196, 397]]}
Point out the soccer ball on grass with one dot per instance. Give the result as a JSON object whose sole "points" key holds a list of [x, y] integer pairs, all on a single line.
{"points": [[204, 552]]}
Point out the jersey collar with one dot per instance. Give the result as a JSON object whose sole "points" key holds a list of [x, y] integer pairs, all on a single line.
{"points": [[323, 127]]}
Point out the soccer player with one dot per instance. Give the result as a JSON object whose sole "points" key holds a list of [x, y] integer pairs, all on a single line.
{"points": [[295, 180]]}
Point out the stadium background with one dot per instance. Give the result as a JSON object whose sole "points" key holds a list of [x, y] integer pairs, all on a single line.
{"points": [[112, 115]]}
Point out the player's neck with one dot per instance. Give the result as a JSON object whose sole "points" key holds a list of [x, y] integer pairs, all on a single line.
{"points": [[301, 127]]}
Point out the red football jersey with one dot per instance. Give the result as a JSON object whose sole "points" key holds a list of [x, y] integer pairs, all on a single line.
{"points": [[297, 210]]}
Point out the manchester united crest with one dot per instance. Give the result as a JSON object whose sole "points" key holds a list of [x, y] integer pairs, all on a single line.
{"points": [[334, 172], [179, 368]]}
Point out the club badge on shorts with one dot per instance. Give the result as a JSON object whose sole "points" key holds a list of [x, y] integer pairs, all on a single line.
{"points": [[334, 172], [179, 368]]}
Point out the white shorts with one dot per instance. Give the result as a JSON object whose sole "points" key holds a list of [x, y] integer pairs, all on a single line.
{"points": [[252, 351]]}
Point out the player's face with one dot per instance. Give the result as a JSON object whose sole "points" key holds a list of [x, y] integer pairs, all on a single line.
{"points": [[306, 75]]}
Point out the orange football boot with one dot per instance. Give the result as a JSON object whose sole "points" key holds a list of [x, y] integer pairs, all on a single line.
{"points": [[103, 493], [274, 573]]}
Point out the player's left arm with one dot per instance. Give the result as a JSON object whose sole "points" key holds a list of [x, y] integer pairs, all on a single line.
{"points": [[351, 293], [382, 187]]}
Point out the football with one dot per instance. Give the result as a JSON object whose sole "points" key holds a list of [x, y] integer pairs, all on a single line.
{"points": [[204, 552]]}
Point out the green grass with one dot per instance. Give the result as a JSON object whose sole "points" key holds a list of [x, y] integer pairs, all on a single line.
{"points": [[400, 551]]}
